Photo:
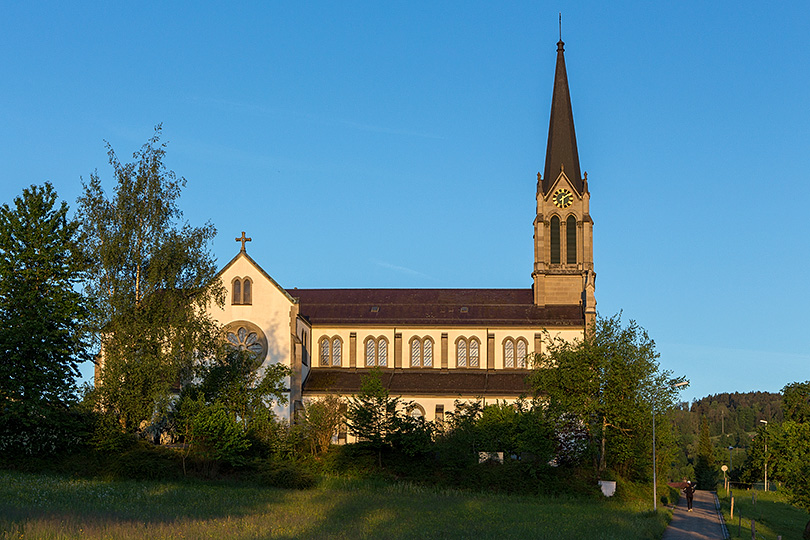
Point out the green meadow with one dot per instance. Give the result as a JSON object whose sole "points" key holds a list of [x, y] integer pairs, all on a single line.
{"points": [[773, 516], [36, 506]]}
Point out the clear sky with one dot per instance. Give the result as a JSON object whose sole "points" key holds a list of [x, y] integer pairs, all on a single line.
{"points": [[396, 144]]}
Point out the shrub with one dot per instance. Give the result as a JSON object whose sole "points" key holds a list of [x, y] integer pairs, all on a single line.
{"points": [[143, 461], [286, 475]]}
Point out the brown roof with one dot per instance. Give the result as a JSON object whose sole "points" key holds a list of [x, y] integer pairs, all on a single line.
{"points": [[428, 307], [561, 150], [454, 382]]}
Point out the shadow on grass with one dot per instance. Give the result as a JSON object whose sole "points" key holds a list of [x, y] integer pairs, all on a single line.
{"points": [[38, 504]]}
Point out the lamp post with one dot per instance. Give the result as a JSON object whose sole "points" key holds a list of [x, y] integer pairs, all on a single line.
{"points": [[766, 453], [655, 464]]}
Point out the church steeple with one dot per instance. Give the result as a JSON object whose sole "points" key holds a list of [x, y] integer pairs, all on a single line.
{"points": [[561, 152], [563, 229]]}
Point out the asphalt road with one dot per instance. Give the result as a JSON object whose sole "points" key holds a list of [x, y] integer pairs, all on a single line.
{"points": [[702, 523]]}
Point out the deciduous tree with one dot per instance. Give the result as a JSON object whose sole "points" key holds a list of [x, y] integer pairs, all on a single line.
{"points": [[152, 281], [608, 381]]}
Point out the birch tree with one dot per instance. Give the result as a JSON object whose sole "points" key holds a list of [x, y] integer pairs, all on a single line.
{"points": [[152, 280]]}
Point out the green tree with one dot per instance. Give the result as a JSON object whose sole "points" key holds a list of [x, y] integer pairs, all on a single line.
{"points": [[152, 281], [519, 428], [608, 381], [382, 421], [788, 454], [372, 411], [43, 315], [796, 402], [234, 379], [705, 468], [321, 421]]}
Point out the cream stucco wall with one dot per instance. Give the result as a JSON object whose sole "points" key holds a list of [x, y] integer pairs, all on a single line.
{"points": [[435, 334], [270, 309]]}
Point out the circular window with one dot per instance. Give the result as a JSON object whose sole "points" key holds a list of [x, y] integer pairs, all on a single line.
{"points": [[247, 337]]}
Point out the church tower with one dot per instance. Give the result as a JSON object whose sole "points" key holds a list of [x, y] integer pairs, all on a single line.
{"points": [[563, 230]]}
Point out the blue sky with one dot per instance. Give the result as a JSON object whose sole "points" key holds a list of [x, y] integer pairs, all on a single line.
{"points": [[396, 144]]}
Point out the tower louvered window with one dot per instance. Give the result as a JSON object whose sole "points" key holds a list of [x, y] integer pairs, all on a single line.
{"points": [[554, 239], [571, 240]]}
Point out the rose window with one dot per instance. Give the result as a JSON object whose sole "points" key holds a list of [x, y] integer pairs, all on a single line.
{"points": [[244, 336]]}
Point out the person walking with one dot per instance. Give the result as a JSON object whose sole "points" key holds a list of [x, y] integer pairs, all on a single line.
{"points": [[689, 491]]}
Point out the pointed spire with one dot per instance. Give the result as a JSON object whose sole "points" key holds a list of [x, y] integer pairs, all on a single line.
{"points": [[561, 152]]}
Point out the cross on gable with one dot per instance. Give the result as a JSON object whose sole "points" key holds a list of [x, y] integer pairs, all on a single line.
{"points": [[243, 239]]}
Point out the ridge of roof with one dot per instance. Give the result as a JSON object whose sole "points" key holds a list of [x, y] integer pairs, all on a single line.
{"points": [[432, 307], [267, 276], [561, 150]]}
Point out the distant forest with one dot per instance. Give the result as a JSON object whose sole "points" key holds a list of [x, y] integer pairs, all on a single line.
{"points": [[733, 419]]}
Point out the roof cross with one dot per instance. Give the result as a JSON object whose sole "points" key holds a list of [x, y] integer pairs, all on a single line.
{"points": [[243, 239]]}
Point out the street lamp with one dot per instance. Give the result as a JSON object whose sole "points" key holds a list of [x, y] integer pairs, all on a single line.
{"points": [[655, 464], [766, 453]]}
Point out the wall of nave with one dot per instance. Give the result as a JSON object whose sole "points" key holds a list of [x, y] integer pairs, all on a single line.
{"points": [[429, 348]]}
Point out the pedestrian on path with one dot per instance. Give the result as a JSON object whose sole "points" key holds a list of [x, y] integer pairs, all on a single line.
{"points": [[689, 491]]}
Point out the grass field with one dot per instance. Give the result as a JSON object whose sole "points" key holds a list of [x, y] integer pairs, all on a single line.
{"points": [[45, 507], [772, 514]]}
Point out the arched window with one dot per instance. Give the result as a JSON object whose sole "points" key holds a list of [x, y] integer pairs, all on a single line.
{"points": [[337, 350], [509, 353], [554, 240], [376, 351], [241, 294], [237, 291], [246, 286], [515, 352], [331, 351], [416, 411], [571, 240], [474, 346], [421, 352], [522, 353], [467, 352]]}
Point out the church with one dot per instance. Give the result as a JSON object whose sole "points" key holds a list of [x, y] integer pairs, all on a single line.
{"points": [[433, 346]]}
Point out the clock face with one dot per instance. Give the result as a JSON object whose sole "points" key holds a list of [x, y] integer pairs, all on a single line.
{"points": [[562, 198]]}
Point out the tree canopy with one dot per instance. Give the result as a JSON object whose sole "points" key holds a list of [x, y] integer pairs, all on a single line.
{"points": [[43, 314], [152, 278], [609, 381]]}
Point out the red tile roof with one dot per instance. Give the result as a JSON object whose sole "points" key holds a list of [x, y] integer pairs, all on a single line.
{"points": [[429, 307]]}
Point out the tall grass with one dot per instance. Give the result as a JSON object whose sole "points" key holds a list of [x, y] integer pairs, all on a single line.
{"points": [[51, 507], [772, 514]]}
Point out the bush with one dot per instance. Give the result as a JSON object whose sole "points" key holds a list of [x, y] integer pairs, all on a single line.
{"points": [[286, 475], [143, 461]]}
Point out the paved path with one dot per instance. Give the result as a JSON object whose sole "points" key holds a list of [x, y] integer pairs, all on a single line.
{"points": [[702, 523]]}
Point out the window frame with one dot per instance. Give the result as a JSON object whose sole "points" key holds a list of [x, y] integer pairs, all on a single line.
{"points": [[330, 357], [514, 344], [242, 291], [420, 345], [377, 345], [465, 345]]}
